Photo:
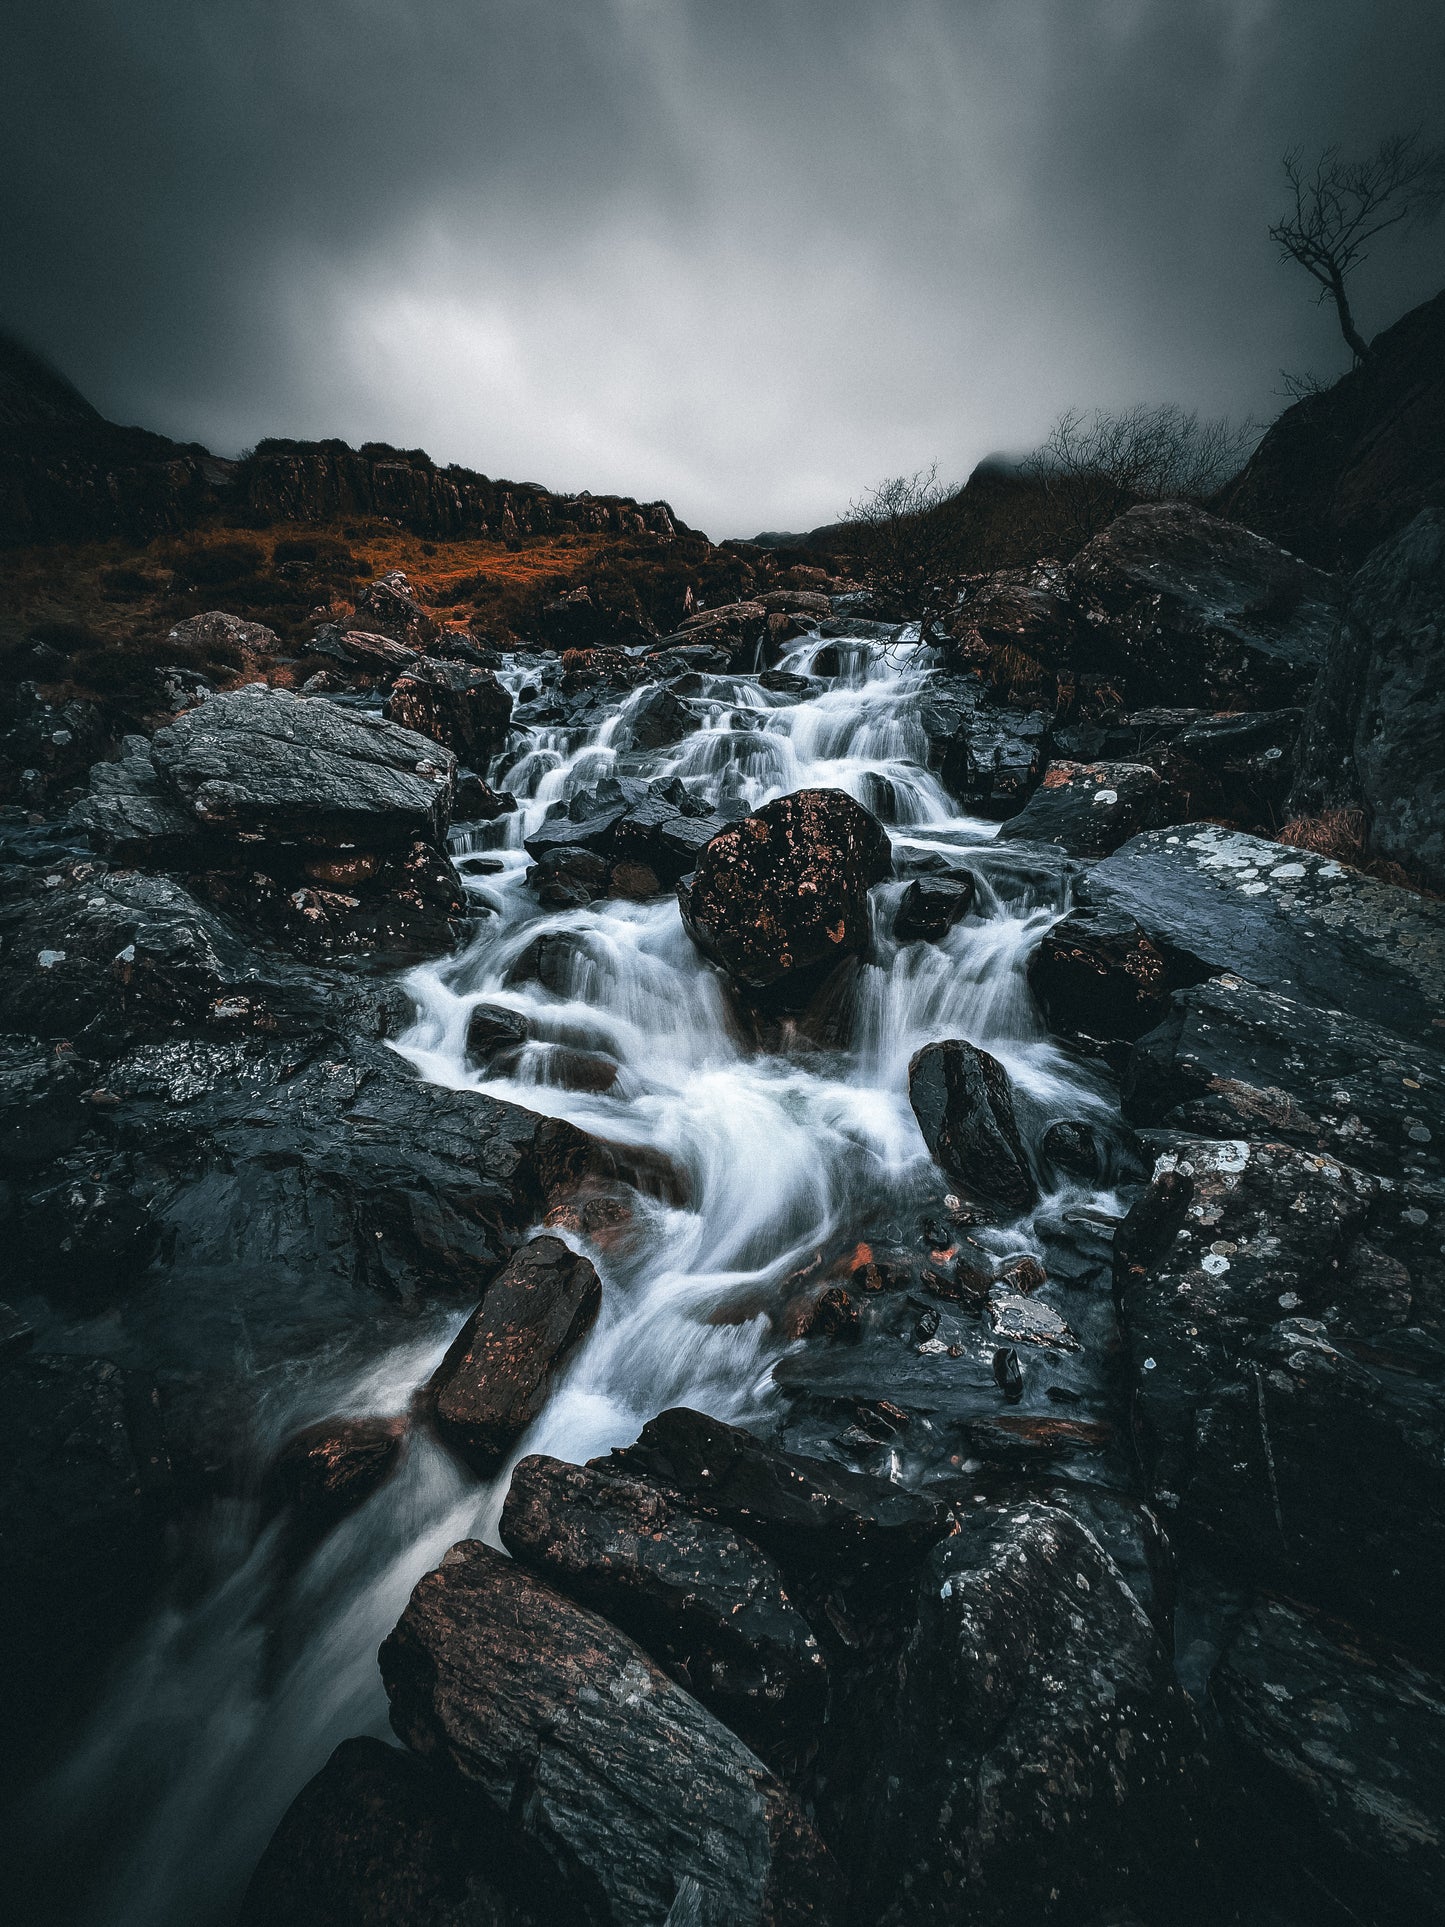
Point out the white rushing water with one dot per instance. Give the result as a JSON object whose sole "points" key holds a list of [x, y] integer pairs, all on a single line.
{"points": [[233, 1701]]}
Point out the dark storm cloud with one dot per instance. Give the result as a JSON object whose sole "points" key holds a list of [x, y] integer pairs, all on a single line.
{"points": [[746, 255]]}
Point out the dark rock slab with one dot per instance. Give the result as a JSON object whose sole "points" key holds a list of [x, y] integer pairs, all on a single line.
{"points": [[265, 763], [380, 1839], [1344, 1750], [1376, 716], [495, 1378], [1096, 974], [465, 709], [659, 719], [333, 1466], [1028, 1755], [705, 1602], [963, 1101], [1176, 606], [637, 1801], [1089, 809], [785, 891], [130, 817], [1211, 900], [989, 756], [807, 1513], [930, 906]]}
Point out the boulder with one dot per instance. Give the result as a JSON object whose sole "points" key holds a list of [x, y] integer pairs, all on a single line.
{"points": [[131, 817], [1176, 606], [1211, 900], [464, 709], [1089, 809], [658, 719], [1238, 767], [380, 1839], [1096, 974], [1027, 1754], [495, 1377], [930, 906], [492, 1029], [265, 764], [1341, 1755], [706, 1603], [783, 894], [988, 756], [387, 607], [1376, 716], [637, 1802], [811, 1516], [1025, 611], [737, 627], [329, 1468], [963, 1101]]}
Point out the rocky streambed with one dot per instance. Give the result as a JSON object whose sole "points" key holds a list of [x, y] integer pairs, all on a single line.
{"points": [[861, 1326]]}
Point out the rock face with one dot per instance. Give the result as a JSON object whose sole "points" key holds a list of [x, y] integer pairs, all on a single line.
{"points": [[1343, 470], [632, 1797], [1350, 1746], [264, 762], [387, 607], [1029, 1750], [495, 1378], [1212, 900], [465, 709], [1096, 974], [964, 1105], [380, 1837], [1184, 608], [1089, 809], [705, 1602], [989, 756], [785, 891], [1376, 718]]}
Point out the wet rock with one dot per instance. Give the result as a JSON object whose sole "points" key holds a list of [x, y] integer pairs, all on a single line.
{"points": [[963, 1101], [551, 960], [1028, 1754], [491, 1029], [477, 802], [1074, 1147], [1023, 610], [466, 710], [737, 627], [632, 1796], [586, 820], [1096, 974], [1288, 1407], [988, 756], [1176, 606], [567, 876], [1018, 1320], [658, 833], [1344, 1751], [130, 817], [1089, 809], [380, 1839], [388, 607], [1239, 767], [704, 1601], [785, 891], [805, 1512], [46, 748], [1376, 715], [930, 907], [333, 1466], [1231, 1061], [658, 720], [495, 1378], [262, 763], [1211, 900], [376, 658], [84, 1238], [41, 1114]]}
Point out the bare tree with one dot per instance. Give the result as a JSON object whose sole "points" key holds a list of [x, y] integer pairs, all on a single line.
{"points": [[1093, 466], [1341, 206], [907, 540]]}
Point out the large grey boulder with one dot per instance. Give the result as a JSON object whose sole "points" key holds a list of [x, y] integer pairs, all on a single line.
{"points": [[264, 763], [1375, 724]]}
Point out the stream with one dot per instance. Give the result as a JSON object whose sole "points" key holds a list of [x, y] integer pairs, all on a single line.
{"points": [[238, 1693]]}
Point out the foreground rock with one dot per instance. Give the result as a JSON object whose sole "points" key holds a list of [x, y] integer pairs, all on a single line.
{"points": [[1176, 606], [1028, 1756], [784, 893], [1096, 974], [1345, 1750], [330, 1468], [379, 1837], [1089, 809], [704, 1601], [1376, 717], [463, 708], [631, 1798], [495, 1378], [963, 1101]]}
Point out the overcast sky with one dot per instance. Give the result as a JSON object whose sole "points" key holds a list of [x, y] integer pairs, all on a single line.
{"points": [[749, 255]]}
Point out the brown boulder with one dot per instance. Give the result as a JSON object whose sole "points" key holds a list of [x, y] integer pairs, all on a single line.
{"points": [[330, 1468], [466, 710], [495, 1378], [387, 607], [784, 893]]}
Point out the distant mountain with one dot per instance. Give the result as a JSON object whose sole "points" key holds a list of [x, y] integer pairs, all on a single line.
{"points": [[67, 474], [1342, 470]]}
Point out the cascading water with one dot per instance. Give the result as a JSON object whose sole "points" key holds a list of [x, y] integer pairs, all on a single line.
{"points": [[235, 1699]]}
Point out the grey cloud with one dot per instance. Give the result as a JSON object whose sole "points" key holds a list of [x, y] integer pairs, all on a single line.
{"points": [[746, 255]]}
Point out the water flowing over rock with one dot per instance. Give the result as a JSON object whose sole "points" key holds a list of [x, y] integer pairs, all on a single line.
{"points": [[494, 1379], [786, 890], [628, 1793]]}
